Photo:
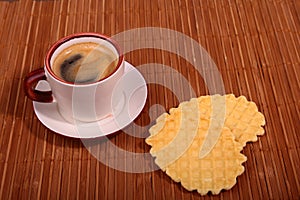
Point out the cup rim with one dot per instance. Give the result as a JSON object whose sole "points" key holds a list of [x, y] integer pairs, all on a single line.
{"points": [[61, 41]]}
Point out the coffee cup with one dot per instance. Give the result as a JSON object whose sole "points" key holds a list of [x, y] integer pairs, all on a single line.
{"points": [[82, 70]]}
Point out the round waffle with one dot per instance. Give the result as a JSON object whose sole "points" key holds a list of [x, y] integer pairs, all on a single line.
{"points": [[178, 137]]}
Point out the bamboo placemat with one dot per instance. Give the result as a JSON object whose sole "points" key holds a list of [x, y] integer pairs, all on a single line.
{"points": [[255, 45]]}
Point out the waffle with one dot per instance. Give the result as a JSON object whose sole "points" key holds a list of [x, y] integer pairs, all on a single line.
{"points": [[217, 171], [169, 139], [177, 138], [243, 119]]}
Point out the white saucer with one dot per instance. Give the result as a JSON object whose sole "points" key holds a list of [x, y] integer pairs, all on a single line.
{"points": [[134, 89]]}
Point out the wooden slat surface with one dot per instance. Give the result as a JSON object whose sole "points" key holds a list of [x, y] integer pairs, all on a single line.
{"points": [[255, 44]]}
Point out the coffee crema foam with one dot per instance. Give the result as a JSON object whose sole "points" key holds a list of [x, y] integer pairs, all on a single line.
{"points": [[85, 62]]}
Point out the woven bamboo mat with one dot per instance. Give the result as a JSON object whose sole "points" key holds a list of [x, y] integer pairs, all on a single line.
{"points": [[255, 44]]}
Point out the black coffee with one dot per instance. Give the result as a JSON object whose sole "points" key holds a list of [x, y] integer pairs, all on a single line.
{"points": [[84, 63]]}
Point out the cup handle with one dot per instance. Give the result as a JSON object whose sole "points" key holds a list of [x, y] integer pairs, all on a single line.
{"points": [[30, 82]]}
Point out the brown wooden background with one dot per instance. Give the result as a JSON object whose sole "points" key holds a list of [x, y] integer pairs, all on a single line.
{"points": [[255, 44]]}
